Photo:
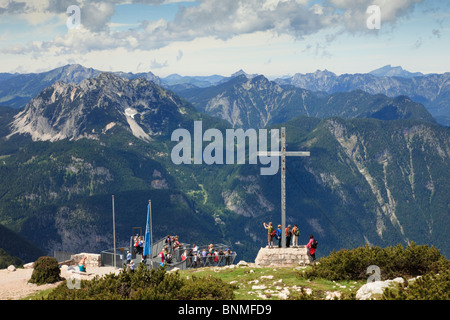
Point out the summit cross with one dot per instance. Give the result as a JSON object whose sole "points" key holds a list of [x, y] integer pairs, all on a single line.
{"points": [[283, 154]]}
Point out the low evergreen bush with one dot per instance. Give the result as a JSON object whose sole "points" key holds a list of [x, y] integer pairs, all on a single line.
{"points": [[46, 270], [145, 284], [429, 287], [206, 288], [393, 262]]}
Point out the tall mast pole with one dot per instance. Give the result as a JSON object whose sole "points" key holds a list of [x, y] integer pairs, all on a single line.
{"points": [[114, 232], [151, 231], [283, 187]]}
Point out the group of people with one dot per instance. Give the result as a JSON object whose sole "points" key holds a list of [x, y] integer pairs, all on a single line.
{"points": [[292, 236], [138, 244], [207, 257], [171, 253], [194, 256], [172, 246], [138, 247]]}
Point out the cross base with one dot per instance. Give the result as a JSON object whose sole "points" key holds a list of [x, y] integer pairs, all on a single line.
{"points": [[283, 257]]}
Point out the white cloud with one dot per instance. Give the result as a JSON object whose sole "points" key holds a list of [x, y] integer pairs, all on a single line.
{"points": [[217, 18], [218, 34]]}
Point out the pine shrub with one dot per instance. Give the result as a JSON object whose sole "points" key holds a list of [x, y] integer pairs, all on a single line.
{"points": [[46, 270], [429, 287], [145, 284], [206, 288], [393, 262]]}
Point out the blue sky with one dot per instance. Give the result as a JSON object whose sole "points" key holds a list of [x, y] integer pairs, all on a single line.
{"points": [[270, 37]]}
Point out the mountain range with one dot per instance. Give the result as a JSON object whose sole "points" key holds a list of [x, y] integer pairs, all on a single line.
{"points": [[378, 171], [431, 90], [257, 102]]}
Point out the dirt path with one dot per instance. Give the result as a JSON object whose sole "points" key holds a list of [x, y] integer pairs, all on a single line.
{"points": [[14, 284]]}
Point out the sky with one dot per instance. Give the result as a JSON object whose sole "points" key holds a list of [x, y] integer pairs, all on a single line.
{"points": [[204, 37]]}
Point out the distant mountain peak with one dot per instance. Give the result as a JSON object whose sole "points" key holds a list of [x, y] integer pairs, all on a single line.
{"points": [[398, 71], [242, 72], [324, 72]]}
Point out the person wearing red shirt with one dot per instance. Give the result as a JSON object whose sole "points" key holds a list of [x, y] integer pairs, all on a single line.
{"points": [[312, 247]]}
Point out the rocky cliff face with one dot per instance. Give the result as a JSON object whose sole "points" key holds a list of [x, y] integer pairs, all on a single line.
{"points": [[91, 108]]}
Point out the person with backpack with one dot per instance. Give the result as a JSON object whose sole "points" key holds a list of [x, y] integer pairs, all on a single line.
{"points": [[295, 235], [312, 246], [270, 233], [288, 236], [278, 235]]}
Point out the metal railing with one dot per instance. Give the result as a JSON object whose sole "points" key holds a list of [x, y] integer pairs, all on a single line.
{"points": [[191, 260], [201, 258], [62, 256], [107, 258]]}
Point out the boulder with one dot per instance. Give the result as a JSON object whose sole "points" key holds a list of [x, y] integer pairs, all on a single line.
{"points": [[11, 268], [370, 289], [242, 263]]}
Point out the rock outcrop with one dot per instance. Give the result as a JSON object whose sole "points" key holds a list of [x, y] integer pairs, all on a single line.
{"points": [[292, 256]]}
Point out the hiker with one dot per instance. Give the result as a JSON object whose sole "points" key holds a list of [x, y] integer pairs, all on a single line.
{"points": [[136, 245], [168, 240], [128, 257], [199, 259], [82, 265], [270, 233], [228, 257], [131, 266], [288, 236], [163, 255], [168, 257], [176, 243], [278, 235], [221, 258], [141, 245], [184, 255], [295, 235], [204, 253], [312, 245]]}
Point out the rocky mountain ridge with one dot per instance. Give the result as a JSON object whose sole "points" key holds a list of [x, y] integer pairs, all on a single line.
{"points": [[96, 105], [16, 90], [431, 90], [257, 102]]}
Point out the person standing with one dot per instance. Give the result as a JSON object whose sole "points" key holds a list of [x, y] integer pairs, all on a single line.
{"points": [[295, 235], [278, 235], [288, 236], [128, 257], [312, 245], [270, 233]]}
